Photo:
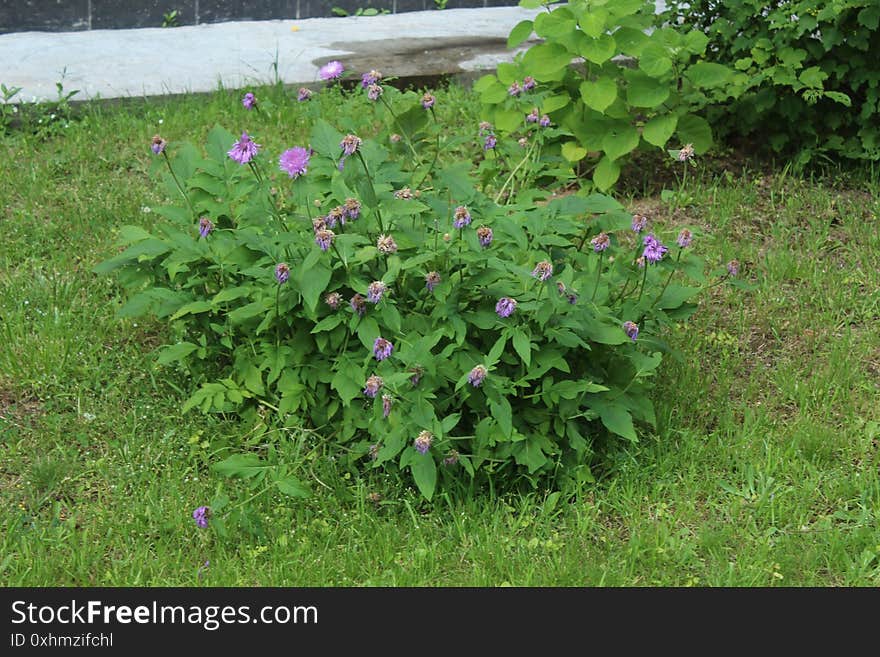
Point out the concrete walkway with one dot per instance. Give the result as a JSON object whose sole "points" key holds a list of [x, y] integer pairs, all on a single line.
{"points": [[155, 61]]}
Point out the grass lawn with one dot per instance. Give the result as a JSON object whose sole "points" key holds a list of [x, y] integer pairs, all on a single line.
{"points": [[763, 470]]}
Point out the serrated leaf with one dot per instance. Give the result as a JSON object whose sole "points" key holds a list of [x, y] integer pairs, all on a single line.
{"points": [[292, 486], [175, 352], [708, 75], [600, 94], [619, 141], [424, 472], [655, 60], [606, 173], [599, 50], [617, 419], [241, 465], [658, 130], [644, 91], [523, 346]]}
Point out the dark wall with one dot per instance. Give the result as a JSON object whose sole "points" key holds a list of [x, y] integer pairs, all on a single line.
{"points": [[72, 15]]}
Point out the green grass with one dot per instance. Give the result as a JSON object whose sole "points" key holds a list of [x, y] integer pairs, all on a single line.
{"points": [[763, 470]]}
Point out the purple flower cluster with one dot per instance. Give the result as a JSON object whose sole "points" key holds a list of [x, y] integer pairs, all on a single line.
{"points": [[304, 94], [733, 267], [352, 209], [686, 153], [373, 92], [423, 442], [386, 244], [461, 218], [387, 401], [201, 516], [382, 348], [533, 116], [631, 329], [249, 101], [324, 238], [654, 250], [600, 242], [684, 238], [451, 458], [374, 384], [415, 375], [349, 144], [373, 77], [358, 304], [375, 290], [543, 270], [334, 299], [205, 226], [432, 280], [295, 161], [571, 297], [428, 101], [529, 83], [505, 306], [158, 144], [485, 127], [331, 70], [282, 272], [476, 376], [489, 143], [544, 122], [514, 89], [639, 222], [484, 235], [244, 150], [335, 216]]}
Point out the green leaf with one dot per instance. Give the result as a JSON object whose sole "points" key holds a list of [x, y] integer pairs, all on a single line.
{"points": [[658, 130], [450, 421], [599, 50], [313, 282], [606, 173], [241, 465], [622, 139], [523, 346], [617, 419], [655, 61], [503, 415], [220, 140], [573, 152], [599, 94], [424, 472], [493, 93], [604, 333], [870, 17], [695, 130], [325, 139], [193, 308], [813, 77], [708, 75], [528, 453], [839, 97], [520, 32], [644, 91], [345, 385], [593, 22], [546, 60], [253, 380], [175, 352], [554, 103], [555, 25], [292, 486], [675, 295], [695, 42]]}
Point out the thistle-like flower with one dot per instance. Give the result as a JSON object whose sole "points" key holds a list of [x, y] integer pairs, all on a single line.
{"points": [[352, 208], [158, 144], [387, 401], [244, 150], [373, 77], [523, 142], [382, 348], [201, 516], [373, 92], [249, 101], [733, 267], [600, 242], [529, 83], [423, 442], [304, 94], [319, 223], [514, 89], [335, 216], [654, 250], [505, 306], [331, 70], [489, 143], [358, 304], [415, 375], [476, 376], [404, 194], [533, 116], [485, 127], [349, 144], [543, 270], [386, 244], [451, 458], [334, 299], [375, 290], [639, 222], [631, 329], [545, 121], [282, 272], [428, 101], [295, 161], [686, 153], [205, 226], [684, 238], [374, 384], [461, 217], [484, 235], [432, 280], [324, 238]]}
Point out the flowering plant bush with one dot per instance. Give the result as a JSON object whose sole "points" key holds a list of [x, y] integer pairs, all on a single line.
{"points": [[393, 306]]}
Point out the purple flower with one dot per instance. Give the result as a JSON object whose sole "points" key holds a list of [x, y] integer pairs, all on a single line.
{"points": [[532, 117], [529, 83], [428, 101], [374, 383], [640, 261], [631, 329], [374, 454], [201, 515], [451, 458], [639, 222], [358, 304], [319, 223], [386, 244], [373, 92], [387, 401], [404, 194], [514, 89], [335, 216], [484, 234], [382, 348], [684, 238], [654, 250], [295, 161], [485, 127], [304, 94], [543, 270], [282, 272], [572, 298], [423, 441], [733, 267], [372, 77], [490, 142], [249, 101], [394, 138], [331, 70], [352, 208], [415, 375], [324, 238], [600, 242], [244, 150], [205, 226], [505, 306], [476, 376], [375, 290], [349, 144], [158, 144], [432, 280], [333, 300], [462, 217], [544, 122], [686, 153]]}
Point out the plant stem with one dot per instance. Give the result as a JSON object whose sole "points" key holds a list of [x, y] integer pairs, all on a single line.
{"points": [[372, 189], [668, 278], [277, 317], [400, 126], [513, 173], [644, 279], [598, 274], [179, 186]]}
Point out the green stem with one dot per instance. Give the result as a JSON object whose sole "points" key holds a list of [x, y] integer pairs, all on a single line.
{"points": [[401, 128], [668, 279], [513, 173], [277, 317], [372, 189], [179, 186], [644, 279], [598, 275]]}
